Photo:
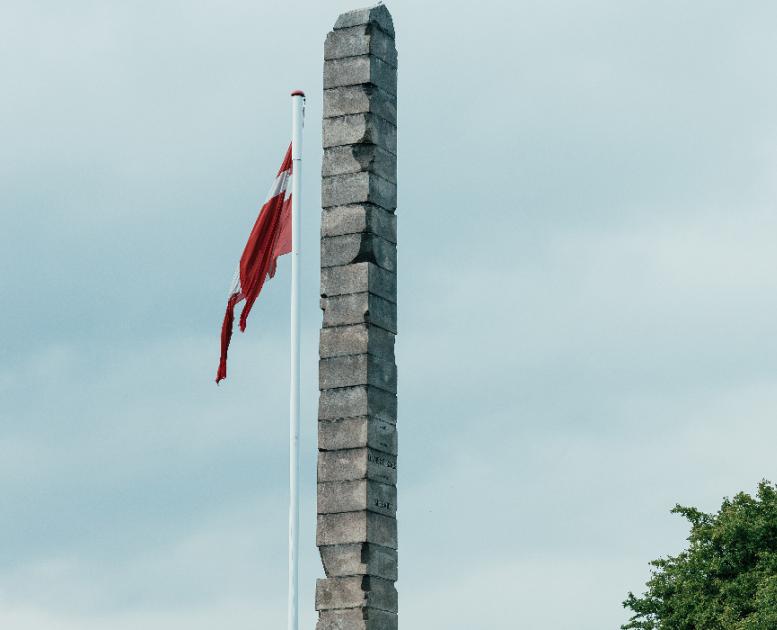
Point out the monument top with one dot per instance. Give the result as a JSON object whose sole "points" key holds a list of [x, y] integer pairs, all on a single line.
{"points": [[377, 14]]}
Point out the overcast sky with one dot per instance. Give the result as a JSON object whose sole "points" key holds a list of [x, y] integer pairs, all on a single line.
{"points": [[587, 303]]}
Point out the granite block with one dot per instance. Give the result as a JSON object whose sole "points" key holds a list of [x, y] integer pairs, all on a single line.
{"points": [[362, 98], [357, 432], [354, 158], [356, 591], [357, 463], [359, 559], [360, 70], [353, 219], [355, 248], [363, 400], [362, 129], [377, 14], [356, 494], [359, 308], [361, 187], [362, 39], [356, 619], [356, 339], [356, 527], [358, 369]]}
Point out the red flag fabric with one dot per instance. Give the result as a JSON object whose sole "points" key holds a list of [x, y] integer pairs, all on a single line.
{"points": [[269, 239]]}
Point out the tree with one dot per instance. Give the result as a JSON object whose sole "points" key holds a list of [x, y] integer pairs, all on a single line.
{"points": [[725, 580]]}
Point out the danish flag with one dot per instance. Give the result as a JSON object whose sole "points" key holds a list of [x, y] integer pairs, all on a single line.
{"points": [[269, 239]]}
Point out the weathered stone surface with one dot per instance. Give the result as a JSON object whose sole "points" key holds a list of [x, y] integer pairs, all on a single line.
{"points": [[360, 129], [362, 39], [355, 591], [358, 369], [350, 402], [359, 559], [356, 339], [358, 278], [359, 218], [355, 248], [357, 466], [357, 463], [354, 158], [358, 432], [356, 527], [377, 14], [359, 308], [356, 619], [358, 70], [362, 187], [354, 495], [356, 99]]}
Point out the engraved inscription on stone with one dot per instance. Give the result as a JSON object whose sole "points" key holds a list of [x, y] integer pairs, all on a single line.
{"points": [[381, 460]]}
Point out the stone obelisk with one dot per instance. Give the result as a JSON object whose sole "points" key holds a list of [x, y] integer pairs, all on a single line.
{"points": [[357, 437]]}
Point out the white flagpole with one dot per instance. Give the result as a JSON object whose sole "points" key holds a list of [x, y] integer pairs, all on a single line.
{"points": [[297, 111]]}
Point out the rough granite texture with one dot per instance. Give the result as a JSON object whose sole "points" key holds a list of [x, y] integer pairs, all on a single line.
{"points": [[356, 619], [360, 187], [357, 432], [355, 495], [356, 529], [359, 559], [360, 308], [362, 400], [377, 15], [359, 277], [355, 248], [363, 39], [366, 69], [356, 339], [354, 158], [357, 463], [359, 218], [358, 369], [356, 591], [360, 98], [361, 130]]}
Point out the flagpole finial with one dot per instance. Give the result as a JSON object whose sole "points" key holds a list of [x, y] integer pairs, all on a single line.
{"points": [[298, 93]]}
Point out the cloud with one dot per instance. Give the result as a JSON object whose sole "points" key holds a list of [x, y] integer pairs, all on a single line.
{"points": [[586, 304]]}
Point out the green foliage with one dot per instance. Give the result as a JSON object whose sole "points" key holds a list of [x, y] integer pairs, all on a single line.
{"points": [[725, 580]]}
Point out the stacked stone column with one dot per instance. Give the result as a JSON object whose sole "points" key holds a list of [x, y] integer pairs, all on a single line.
{"points": [[357, 438]]}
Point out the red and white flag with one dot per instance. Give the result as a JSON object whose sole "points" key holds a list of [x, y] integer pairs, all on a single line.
{"points": [[269, 239]]}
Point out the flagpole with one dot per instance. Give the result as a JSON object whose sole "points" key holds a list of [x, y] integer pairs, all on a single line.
{"points": [[297, 111]]}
